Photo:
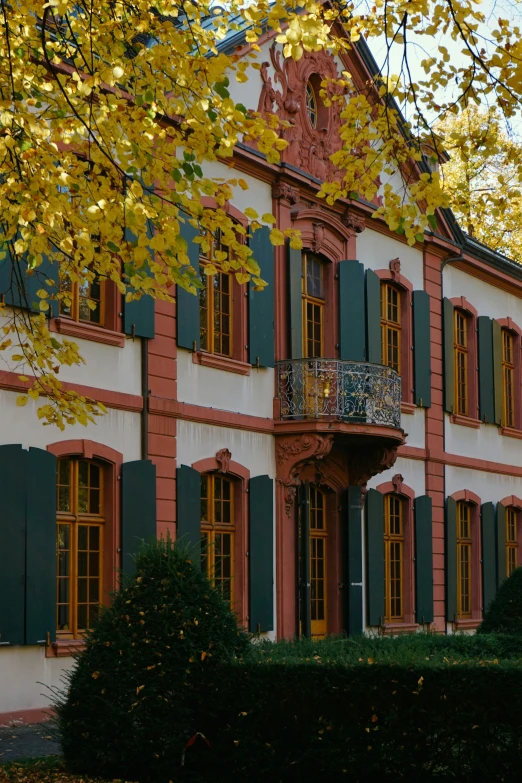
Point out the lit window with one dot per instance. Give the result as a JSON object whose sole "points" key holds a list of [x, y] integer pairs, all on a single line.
{"points": [[318, 537], [390, 327], [217, 533], [463, 560], [80, 523], [83, 300], [393, 557], [311, 105], [508, 378], [313, 306], [461, 362], [215, 302], [511, 540]]}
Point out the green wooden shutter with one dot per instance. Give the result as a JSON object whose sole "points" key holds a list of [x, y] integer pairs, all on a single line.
{"points": [[352, 311], [261, 554], [423, 560], [421, 349], [489, 554], [187, 305], [485, 365], [261, 303], [497, 372], [40, 596], [13, 483], [305, 609], [188, 514], [373, 318], [295, 290], [450, 545], [19, 288], [138, 316], [138, 509], [375, 556], [449, 361], [501, 544], [354, 561]]}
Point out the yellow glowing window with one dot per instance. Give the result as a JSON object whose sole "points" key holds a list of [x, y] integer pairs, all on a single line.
{"points": [[215, 302], [511, 540], [461, 362], [313, 307], [217, 533], [80, 525], [508, 378], [391, 327], [464, 595], [393, 557], [311, 105]]}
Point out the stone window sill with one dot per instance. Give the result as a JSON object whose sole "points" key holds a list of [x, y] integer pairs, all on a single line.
{"points": [[86, 331], [509, 432], [394, 628], [467, 625], [408, 408], [219, 362], [465, 421], [64, 648]]}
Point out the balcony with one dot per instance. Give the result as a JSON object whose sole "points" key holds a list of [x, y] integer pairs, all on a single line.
{"points": [[337, 390]]}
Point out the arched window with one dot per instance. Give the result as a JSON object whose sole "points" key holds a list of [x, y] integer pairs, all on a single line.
{"points": [[511, 539], [460, 339], [80, 529], [318, 542], [394, 513], [217, 532], [391, 326], [508, 378], [464, 560], [311, 105], [313, 306], [215, 301]]}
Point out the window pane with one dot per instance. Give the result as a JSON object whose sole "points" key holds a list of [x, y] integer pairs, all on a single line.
{"points": [[83, 537], [82, 590], [83, 500], [94, 475], [83, 473], [94, 501], [94, 538], [82, 564], [82, 617], [94, 564], [94, 590]]}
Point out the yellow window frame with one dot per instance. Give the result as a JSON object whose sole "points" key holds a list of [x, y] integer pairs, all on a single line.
{"points": [[394, 510], [460, 344], [210, 333], [318, 558], [317, 304], [391, 327], [464, 562], [211, 528], [511, 539], [508, 378], [74, 519]]}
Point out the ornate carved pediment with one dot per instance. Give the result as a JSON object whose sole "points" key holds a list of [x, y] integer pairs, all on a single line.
{"points": [[295, 452], [282, 190], [223, 458], [366, 461], [395, 268], [309, 148]]}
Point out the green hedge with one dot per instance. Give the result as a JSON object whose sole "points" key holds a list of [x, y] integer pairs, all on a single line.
{"points": [[504, 614], [301, 722]]}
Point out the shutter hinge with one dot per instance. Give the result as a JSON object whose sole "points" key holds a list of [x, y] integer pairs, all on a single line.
{"points": [[5, 644], [257, 362]]}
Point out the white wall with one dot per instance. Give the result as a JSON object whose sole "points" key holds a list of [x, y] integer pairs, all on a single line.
{"points": [[412, 471], [414, 425], [484, 443], [26, 676], [118, 429], [213, 388], [488, 486], [487, 299], [375, 251], [258, 196], [253, 450]]}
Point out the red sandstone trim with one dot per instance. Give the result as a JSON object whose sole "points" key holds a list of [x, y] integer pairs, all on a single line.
{"points": [[462, 303], [188, 412], [512, 500], [111, 399], [26, 717], [388, 488], [508, 323], [63, 648], [88, 449], [392, 629], [394, 277], [87, 331], [211, 465], [220, 362], [510, 433], [408, 408], [467, 496], [465, 421]]}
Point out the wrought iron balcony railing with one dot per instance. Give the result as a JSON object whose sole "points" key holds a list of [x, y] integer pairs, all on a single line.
{"points": [[356, 392]]}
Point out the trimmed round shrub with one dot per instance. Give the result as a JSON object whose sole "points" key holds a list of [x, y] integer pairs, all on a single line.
{"points": [[129, 704], [504, 614]]}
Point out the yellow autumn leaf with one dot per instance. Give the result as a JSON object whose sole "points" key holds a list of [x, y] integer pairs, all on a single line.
{"points": [[21, 400]]}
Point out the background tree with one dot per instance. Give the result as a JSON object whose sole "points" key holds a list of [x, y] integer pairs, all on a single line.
{"points": [[110, 111], [482, 178]]}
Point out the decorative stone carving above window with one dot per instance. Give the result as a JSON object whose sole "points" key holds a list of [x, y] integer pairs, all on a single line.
{"points": [[284, 93]]}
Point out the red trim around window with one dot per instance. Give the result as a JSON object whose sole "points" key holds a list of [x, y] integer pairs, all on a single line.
{"points": [[240, 476], [467, 496], [516, 331], [472, 418], [407, 494]]}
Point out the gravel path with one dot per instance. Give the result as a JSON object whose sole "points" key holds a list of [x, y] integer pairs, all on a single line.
{"points": [[28, 742]]}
